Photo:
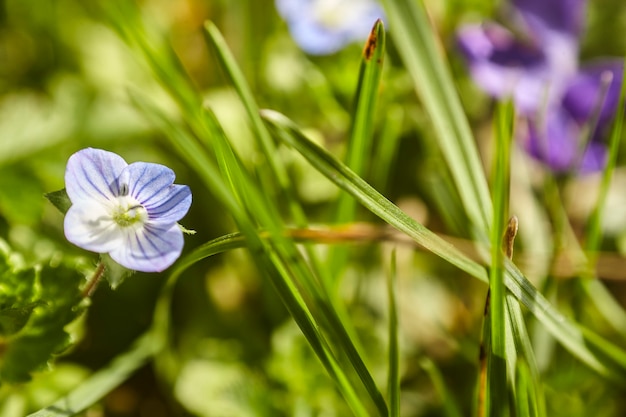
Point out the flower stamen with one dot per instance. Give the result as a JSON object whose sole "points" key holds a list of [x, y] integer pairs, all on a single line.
{"points": [[127, 215]]}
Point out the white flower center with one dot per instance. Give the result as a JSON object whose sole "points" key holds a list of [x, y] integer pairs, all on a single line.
{"points": [[128, 212]]}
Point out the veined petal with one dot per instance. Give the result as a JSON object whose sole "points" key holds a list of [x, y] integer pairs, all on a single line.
{"points": [[595, 85], [89, 225], [152, 185], [146, 180], [149, 249], [565, 16], [503, 66], [170, 205], [92, 174]]}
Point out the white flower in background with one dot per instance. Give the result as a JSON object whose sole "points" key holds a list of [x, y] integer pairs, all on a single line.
{"points": [[127, 211], [322, 27]]}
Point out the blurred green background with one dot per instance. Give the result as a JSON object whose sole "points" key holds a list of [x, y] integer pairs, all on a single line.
{"points": [[64, 82]]}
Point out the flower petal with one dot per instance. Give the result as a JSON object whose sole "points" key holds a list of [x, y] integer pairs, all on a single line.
{"points": [[152, 185], [594, 158], [322, 27], [88, 224], [565, 16], [558, 144], [149, 249], [146, 180], [504, 67], [170, 205], [92, 174], [595, 85]]}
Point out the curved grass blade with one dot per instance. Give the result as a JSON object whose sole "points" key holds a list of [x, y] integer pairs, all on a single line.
{"points": [[278, 257], [260, 131], [248, 206], [105, 380], [564, 330], [421, 53]]}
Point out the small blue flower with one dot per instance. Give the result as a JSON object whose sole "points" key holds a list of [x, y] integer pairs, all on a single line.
{"points": [[128, 211], [322, 27], [557, 98]]}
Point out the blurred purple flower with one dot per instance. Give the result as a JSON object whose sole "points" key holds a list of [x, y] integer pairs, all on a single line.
{"points": [[322, 27], [128, 211], [540, 72]]}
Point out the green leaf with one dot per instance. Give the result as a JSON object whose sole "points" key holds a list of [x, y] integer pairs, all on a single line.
{"points": [[60, 200], [17, 294], [44, 301], [13, 319]]}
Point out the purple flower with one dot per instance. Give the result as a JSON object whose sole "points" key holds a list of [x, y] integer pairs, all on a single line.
{"points": [[567, 109], [128, 211], [322, 27]]}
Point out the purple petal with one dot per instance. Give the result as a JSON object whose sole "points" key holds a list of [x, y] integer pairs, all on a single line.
{"points": [[92, 174], [566, 16], [504, 67], [558, 143], [555, 141], [149, 249], [88, 225], [146, 180], [595, 85], [152, 185], [170, 205], [594, 159]]}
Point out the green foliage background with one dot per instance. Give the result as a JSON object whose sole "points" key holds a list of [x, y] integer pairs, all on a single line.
{"points": [[133, 77]]}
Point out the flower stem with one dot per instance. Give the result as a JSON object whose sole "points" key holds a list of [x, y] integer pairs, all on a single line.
{"points": [[91, 286]]}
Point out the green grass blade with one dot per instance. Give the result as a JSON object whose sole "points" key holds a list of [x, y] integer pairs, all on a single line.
{"points": [[279, 172], [450, 406], [594, 231], [104, 381], [420, 51], [523, 388], [387, 146], [364, 114], [604, 301], [564, 330], [497, 372], [527, 404], [359, 149], [526, 357], [279, 260], [393, 380], [261, 134], [341, 175]]}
